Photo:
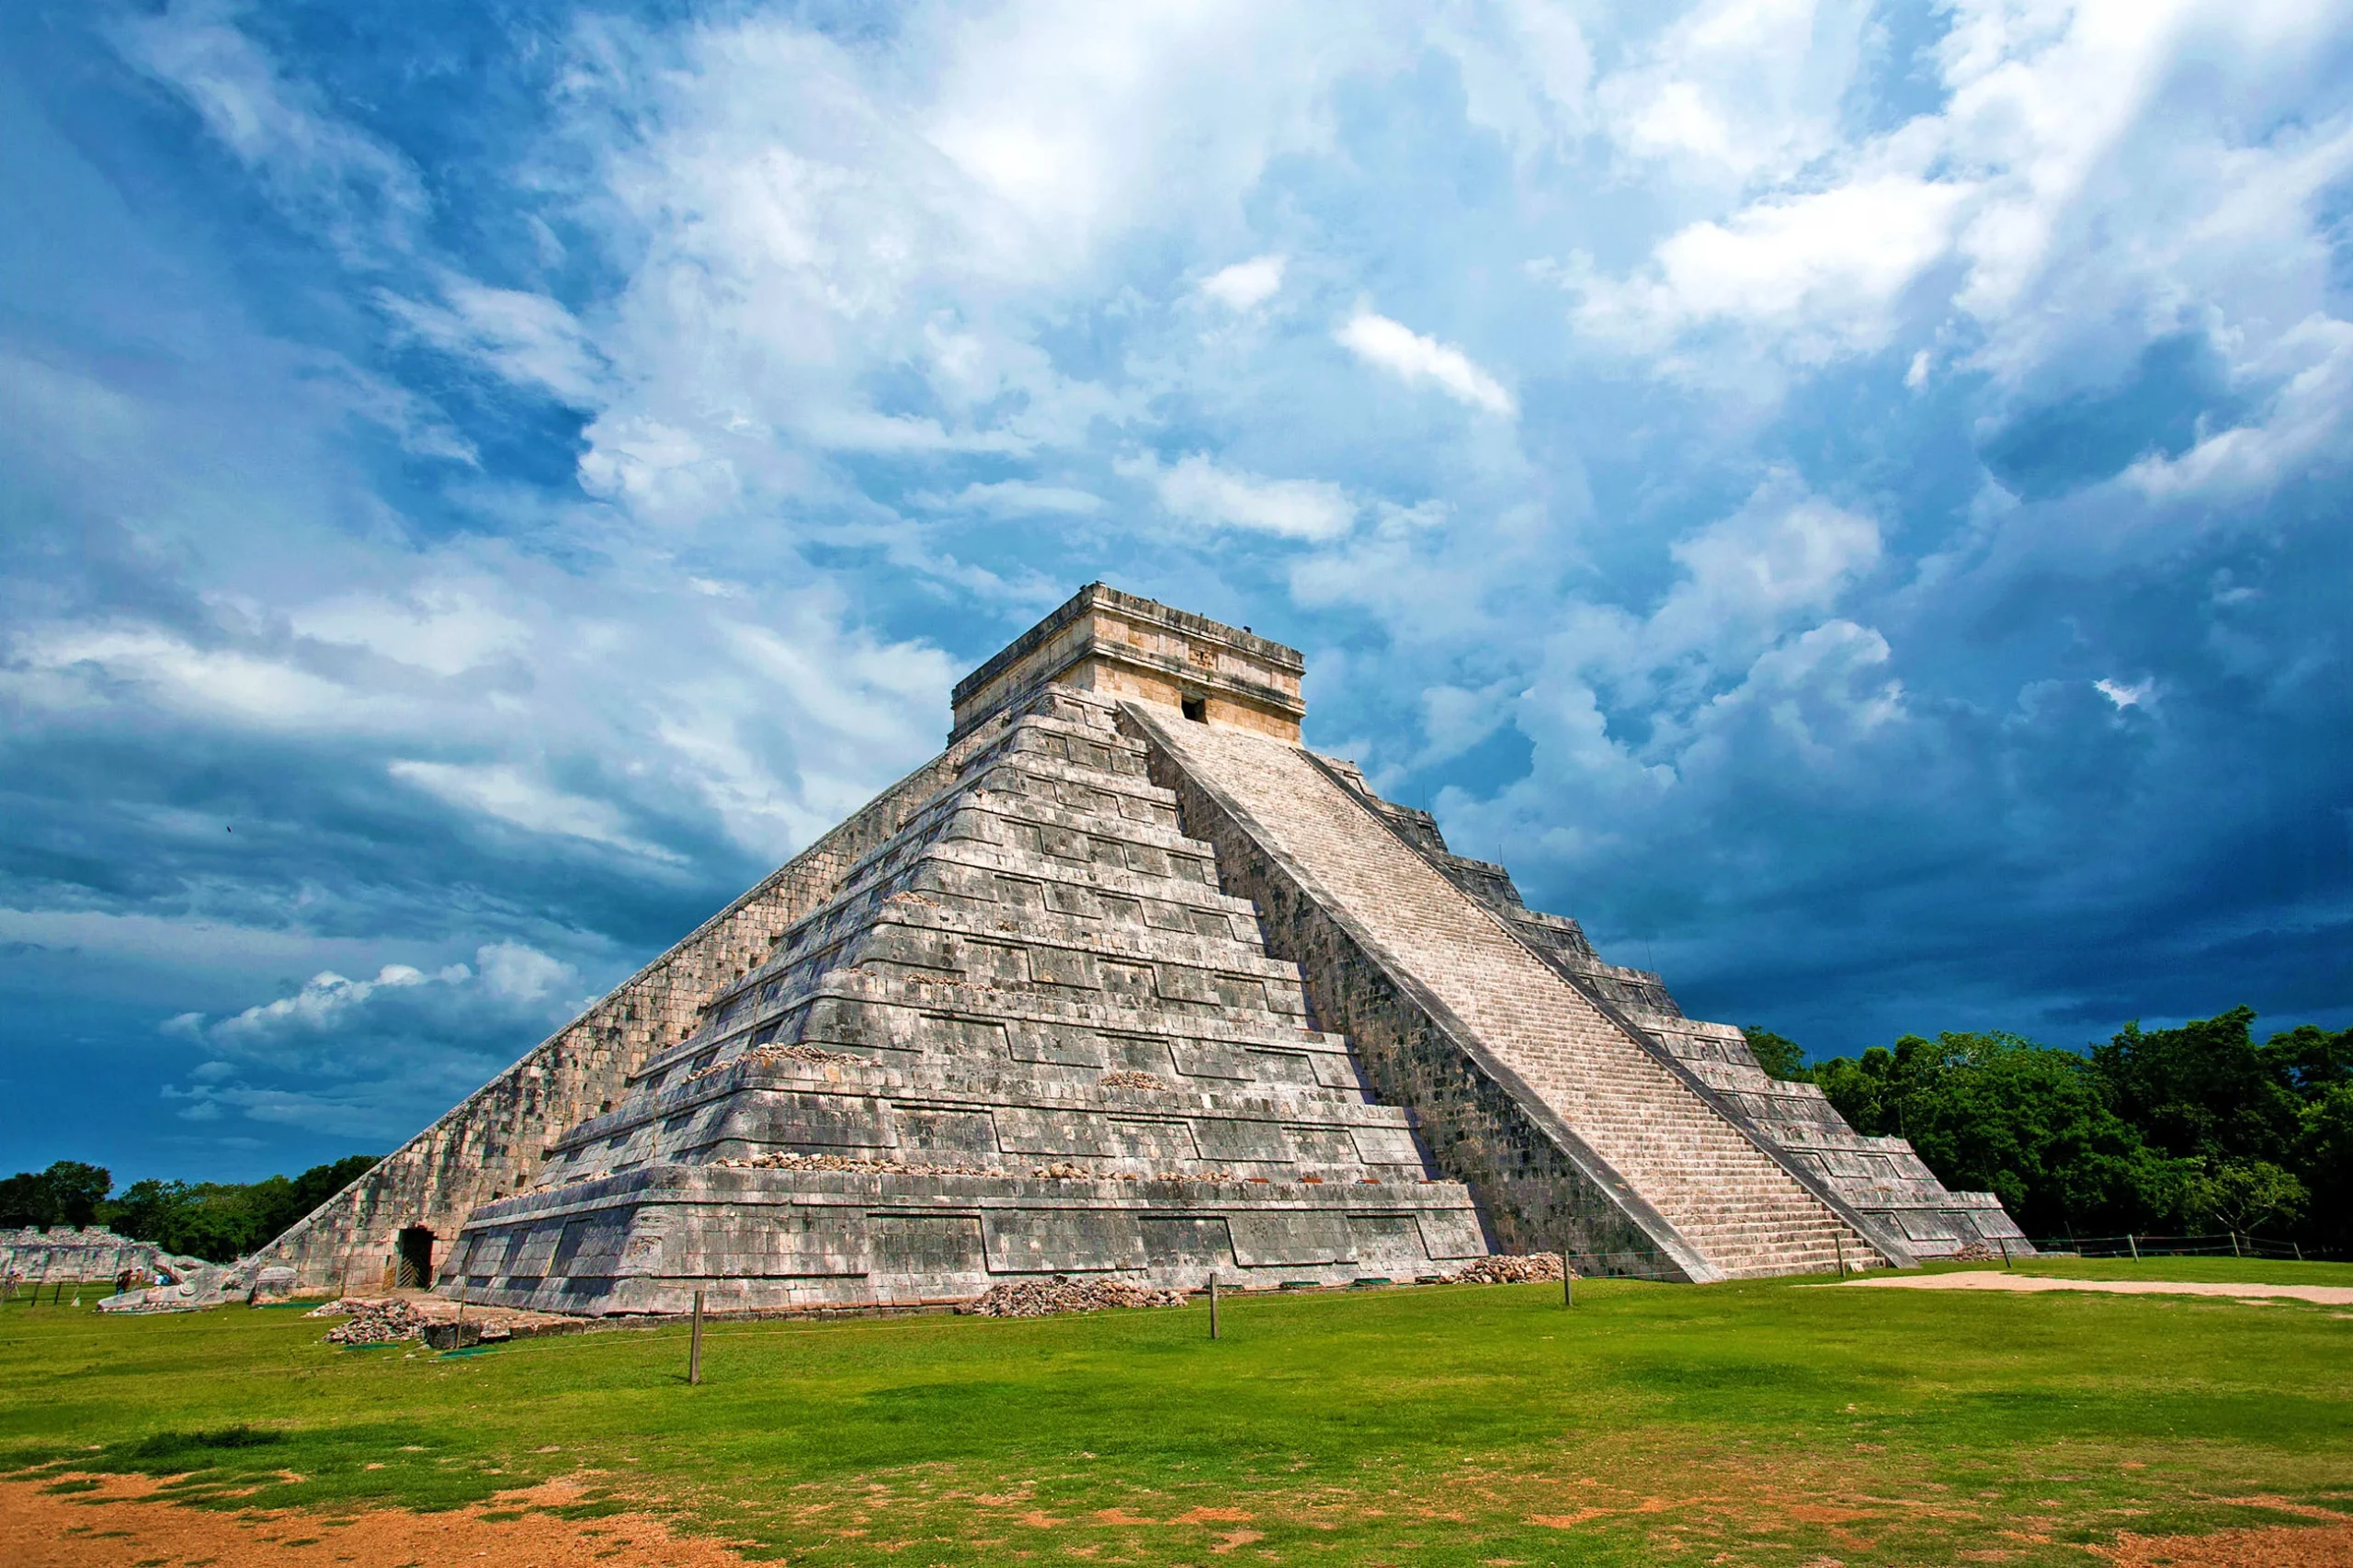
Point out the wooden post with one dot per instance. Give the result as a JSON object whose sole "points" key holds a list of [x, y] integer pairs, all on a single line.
{"points": [[1838, 1239], [2234, 1246], [694, 1344], [2006, 1252], [2134, 1243], [2299, 1251], [1213, 1306], [1568, 1297]]}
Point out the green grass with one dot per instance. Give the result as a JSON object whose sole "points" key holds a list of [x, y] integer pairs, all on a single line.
{"points": [[1771, 1422]]}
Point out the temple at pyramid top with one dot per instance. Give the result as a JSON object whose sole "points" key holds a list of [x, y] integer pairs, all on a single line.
{"points": [[1118, 645], [1127, 981]]}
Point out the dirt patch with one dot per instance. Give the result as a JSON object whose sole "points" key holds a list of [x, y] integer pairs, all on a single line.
{"points": [[2322, 1295], [2281, 1546], [122, 1520]]}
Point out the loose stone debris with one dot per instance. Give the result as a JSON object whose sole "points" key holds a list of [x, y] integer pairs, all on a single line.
{"points": [[1040, 1298], [1504, 1269], [389, 1320], [372, 1323], [1125, 1079]]}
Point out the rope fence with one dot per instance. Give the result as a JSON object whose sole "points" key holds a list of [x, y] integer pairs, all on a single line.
{"points": [[2229, 1243]]}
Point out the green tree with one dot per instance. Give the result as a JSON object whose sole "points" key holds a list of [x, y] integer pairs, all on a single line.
{"points": [[2245, 1196], [2205, 1089], [1781, 1056], [67, 1193], [221, 1221], [1999, 1113], [2324, 1161]]}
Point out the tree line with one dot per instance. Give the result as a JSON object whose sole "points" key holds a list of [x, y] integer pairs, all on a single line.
{"points": [[211, 1219], [2192, 1130]]}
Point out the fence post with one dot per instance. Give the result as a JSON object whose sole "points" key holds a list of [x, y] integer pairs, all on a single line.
{"points": [[1212, 1304], [2299, 1250], [2006, 1251], [2234, 1246], [694, 1344], [1839, 1241], [2134, 1243]]}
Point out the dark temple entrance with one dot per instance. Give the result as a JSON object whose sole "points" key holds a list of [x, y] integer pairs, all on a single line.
{"points": [[416, 1259]]}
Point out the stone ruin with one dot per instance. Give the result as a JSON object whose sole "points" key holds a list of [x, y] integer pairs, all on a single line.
{"points": [[1125, 984]]}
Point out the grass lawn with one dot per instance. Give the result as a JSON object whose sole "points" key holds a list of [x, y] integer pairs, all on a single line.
{"points": [[1774, 1422]]}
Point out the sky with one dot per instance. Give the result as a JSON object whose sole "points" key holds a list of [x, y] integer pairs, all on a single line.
{"points": [[1849, 500]]}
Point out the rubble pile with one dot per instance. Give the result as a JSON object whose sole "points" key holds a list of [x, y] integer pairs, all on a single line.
{"points": [[1508, 1270], [372, 1322], [1043, 1298], [1975, 1252], [1127, 1078]]}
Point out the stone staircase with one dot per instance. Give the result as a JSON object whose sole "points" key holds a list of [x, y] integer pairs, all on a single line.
{"points": [[1729, 1200]]}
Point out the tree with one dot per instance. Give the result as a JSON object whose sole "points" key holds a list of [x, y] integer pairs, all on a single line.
{"points": [[2325, 1160], [1781, 1056], [68, 1193], [2002, 1114], [2205, 1089], [221, 1221], [2244, 1195]]}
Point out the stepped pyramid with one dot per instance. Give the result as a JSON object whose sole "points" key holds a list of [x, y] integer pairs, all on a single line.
{"points": [[1125, 982]]}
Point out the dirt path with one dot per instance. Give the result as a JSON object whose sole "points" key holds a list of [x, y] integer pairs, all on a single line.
{"points": [[2320, 1295], [124, 1521]]}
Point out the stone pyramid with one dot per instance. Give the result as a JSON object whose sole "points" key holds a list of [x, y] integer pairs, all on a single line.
{"points": [[1125, 982], [1031, 1035]]}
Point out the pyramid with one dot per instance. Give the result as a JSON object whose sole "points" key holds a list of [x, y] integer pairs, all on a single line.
{"points": [[1029, 1036], [1125, 982]]}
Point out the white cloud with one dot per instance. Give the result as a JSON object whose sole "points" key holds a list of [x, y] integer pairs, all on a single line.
{"points": [[1819, 273], [442, 628], [518, 970], [1737, 91], [366, 196], [1016, 498], [230, 682], [325, 1000], [1198, 489], [1767, 572], [2126, 695], [526, 338], [1246, 284], [506, 792], [1412, 359]]}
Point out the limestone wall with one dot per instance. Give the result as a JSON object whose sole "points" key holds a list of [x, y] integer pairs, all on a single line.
{"points": [[93, 1254], [494, 1144]]}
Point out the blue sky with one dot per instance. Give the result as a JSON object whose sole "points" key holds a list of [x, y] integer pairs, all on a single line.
{"points": [[1847, 500]]}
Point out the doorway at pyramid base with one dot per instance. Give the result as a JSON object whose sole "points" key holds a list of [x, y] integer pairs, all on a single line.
{"points": [[1028, 1035]]}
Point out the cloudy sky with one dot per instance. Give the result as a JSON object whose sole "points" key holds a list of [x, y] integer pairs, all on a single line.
{"points": [[1847, 499]]}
